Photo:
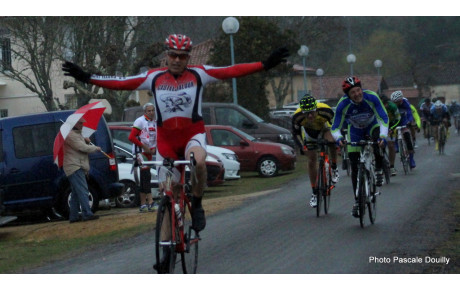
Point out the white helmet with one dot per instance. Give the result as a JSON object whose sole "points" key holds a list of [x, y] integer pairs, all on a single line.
{"points": [[438, 104], [396, 96]]}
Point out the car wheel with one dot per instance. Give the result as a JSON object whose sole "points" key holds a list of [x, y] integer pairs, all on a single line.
{"points": [[268, 167], [93, 197], [128, 197]]}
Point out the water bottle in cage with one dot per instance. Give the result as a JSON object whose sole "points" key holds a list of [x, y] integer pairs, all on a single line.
{"points": [[178, 215]]}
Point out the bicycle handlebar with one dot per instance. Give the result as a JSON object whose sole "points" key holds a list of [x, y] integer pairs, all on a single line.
{"points": [[320, 142], [166, 163], [363, 142]]}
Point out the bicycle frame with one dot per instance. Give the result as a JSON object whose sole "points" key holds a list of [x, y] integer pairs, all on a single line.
{"points": [[323, 182], [180, 240]]}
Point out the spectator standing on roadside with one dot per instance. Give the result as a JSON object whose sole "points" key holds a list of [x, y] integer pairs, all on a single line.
{"points": [[143, 135], [76, 168]]}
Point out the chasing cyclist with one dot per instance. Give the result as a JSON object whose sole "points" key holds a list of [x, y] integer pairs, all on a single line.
{"points": [[407, 119], [315, 118], [394, 119], [365, 115], [454, 111], [177, 95], [439, 113], [425, 110]]}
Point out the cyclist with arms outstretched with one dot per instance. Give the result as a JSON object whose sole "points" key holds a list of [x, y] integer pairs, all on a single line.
{"points": [[365, 116], [177, 95], [315, 118]]}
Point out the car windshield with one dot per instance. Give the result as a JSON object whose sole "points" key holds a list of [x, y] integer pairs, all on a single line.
{"points": [[247, 136]]}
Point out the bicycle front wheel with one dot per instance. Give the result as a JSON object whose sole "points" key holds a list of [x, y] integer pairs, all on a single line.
{"points": [[442, 139], [371, 200], [327, 193], [164, 245], [321, 188], [386, 167], [404, 156], [190, 256], [363, 187]]}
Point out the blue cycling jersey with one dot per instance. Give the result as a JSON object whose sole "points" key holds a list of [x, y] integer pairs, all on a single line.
{"points": [[437, 115], [367, 114], [406, 112]]}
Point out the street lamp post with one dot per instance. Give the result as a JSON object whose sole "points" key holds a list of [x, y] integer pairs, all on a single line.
{"points": [[378, 65], [303, 52], [351, 59], [320, 73], [230, 25]]}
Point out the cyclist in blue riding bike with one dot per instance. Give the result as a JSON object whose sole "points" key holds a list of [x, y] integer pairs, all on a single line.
{"points": [[365, 115], [439, 113], [407, 119]]}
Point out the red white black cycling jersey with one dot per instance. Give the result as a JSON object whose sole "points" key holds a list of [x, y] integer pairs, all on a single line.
{"points": [[177, 99], [144, 132]]}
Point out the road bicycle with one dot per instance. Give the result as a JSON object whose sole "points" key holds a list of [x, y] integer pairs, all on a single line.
{"points": [[174, 236], [366, 190], [402, 147], [323, 184], [442, 137]]}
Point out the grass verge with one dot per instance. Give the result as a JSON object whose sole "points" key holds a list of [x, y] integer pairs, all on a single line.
{"points": [[26, 246]]}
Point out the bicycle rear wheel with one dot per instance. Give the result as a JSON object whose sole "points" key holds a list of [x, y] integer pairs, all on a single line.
{"points": [[164, 246], [190, 256]]}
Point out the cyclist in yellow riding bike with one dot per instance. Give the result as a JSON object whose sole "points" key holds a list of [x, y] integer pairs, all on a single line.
{"points": [[311, 120]]}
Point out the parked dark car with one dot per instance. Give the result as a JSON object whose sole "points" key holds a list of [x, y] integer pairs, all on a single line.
{"points": [[214, 165], [254, 155], [29, 178]]}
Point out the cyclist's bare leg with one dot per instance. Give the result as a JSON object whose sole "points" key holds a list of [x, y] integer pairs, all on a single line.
{"points": [[198, 217], [312, 166], [332, 148], [200, 170], [391, 152]]}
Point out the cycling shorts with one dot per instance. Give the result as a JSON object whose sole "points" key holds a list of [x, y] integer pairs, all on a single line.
{"points": [[198, 140]]}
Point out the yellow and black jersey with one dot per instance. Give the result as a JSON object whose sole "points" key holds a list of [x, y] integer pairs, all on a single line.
{"points": [[323, 120]]}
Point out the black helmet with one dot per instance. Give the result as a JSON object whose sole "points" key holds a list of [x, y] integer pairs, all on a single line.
{"points": [[307, 103]]}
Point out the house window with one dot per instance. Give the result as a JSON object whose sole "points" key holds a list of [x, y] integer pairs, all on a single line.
{"points": [[3, 113], [5, 53]]}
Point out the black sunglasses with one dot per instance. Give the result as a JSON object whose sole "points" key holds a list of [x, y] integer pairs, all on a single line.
{"points": [[181, 57]]}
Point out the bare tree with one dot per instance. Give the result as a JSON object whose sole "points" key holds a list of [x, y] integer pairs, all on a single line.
{"points": [[36, 43]]}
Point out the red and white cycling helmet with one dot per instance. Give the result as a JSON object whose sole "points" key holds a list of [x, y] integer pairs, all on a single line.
{"points": [[349, 83], [179, 42]]}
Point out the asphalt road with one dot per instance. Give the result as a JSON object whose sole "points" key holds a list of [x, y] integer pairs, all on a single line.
{"points": [[279, 234]]}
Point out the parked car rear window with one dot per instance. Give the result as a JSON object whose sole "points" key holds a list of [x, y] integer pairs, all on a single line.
{"points": [[206, 112], [35, 140]]}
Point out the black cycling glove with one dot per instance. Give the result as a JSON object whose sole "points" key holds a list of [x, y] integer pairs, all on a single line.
{"points": [[279, 55], [75, 71]]}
